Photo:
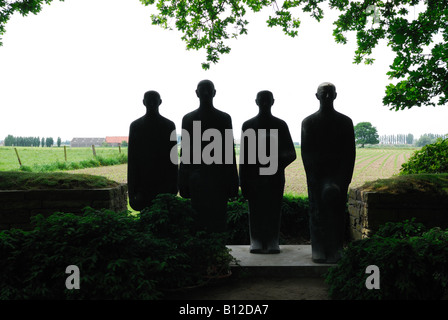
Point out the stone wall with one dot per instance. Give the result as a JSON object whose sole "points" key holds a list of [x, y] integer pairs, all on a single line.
{"points": [[17, 206], [368, 210]]}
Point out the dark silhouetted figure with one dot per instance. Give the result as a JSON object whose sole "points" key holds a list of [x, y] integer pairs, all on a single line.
{"points": [[264, 137], [151, 171], [208, 174], [328, 153]]}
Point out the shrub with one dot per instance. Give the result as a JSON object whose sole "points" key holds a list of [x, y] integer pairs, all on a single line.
{"points": [[412, 263], [103, 244], [120, 256], [192, 254], [97, 161], [238, 221], [295, 219], [432, 158], [294, 226], [17, 180]]}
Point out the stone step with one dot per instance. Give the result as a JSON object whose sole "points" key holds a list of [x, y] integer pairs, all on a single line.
{"points": [[292, 261]]}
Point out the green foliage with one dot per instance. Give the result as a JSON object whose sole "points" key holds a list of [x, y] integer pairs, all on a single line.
{"points": [[113, 259], [435, 184], [11, 140], [206, 24], [97, 161], [15, 180], [294, 226], [421, 57], [238, 221], [192, 254], [429, 138], [49, 142], [120, 256], [409, 35], [365, 133], [401, 230], [41, 159], [432, 158], [412, 262], [295, 220], [8, 8]]}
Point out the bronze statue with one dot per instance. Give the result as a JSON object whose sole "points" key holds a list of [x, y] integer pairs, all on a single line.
{"points": [[264, 189], [328, 154], [151, 170], [208, 173]]}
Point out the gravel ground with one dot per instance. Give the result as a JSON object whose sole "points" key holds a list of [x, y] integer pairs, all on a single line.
{"points": [[254, 288]]}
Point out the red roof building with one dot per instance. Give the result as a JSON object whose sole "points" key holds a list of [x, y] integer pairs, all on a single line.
{"points": [[115, 141]]}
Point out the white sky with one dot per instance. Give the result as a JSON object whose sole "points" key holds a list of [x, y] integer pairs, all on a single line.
{"points": [[80, 68]]}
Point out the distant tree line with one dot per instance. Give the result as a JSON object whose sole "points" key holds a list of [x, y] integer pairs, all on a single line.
{"points": [[366, 133], [401, 139], [429, 138], [397, 139], [10, 141]]}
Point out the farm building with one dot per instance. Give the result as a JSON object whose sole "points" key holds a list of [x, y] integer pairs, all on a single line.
{"points": [[115, 141], [87, 142]]}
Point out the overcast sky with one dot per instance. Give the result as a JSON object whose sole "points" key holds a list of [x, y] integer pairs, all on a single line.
{"points": [[80, 69]]}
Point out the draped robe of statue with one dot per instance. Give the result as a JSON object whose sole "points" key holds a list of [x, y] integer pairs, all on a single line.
{"points": [[328, 154]]}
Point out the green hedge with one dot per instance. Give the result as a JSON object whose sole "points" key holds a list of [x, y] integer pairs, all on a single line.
{"points": [[119, 256], [412, 261], [432, 158], [97, 161], [294, 221], [124, 256]]}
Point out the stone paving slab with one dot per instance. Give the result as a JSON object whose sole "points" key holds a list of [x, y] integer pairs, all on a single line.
{"points": [[293, 260]]}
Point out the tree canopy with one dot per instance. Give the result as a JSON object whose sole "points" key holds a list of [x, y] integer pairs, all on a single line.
{"points": [[365, 133], [420, 43]]}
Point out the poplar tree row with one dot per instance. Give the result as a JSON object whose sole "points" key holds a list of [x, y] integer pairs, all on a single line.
{"points": [[397, 139], [11, 141]]}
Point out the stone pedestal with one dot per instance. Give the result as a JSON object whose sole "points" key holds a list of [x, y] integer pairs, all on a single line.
{"points": [[292, 261]]}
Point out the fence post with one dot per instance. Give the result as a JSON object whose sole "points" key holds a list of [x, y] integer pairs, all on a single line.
{"points": [[65, 153], [18, 158], [119, 148], [93, 149]]}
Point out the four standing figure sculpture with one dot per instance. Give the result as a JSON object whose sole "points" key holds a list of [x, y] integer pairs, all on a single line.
{"points": [[151, 171], [208, 175], [328, 154], [264, 192]]}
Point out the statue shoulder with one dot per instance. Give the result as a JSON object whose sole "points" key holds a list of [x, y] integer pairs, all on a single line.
{"points": [[190, 116], [167, 121], [137, 123], [280, 122], [250, 123], [223, 114], [310, 119], [345, 118]]}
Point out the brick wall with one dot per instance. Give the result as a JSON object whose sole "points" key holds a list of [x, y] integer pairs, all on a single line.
{"points": [[16, 207], [369, 210]]}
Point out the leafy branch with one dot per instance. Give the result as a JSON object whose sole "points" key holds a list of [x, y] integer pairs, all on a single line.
{"points": [[209, 24], [420, 43]]}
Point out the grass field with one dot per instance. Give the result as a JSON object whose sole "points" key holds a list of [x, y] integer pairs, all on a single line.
{"points": [[40, 156], [371, 164]]}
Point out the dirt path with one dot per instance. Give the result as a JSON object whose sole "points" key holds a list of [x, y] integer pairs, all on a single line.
{"points": [[259, 289]]}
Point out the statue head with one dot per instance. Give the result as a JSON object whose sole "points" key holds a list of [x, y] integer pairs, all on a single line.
{"points": [[152, 100], [326, 92], [205, 90], [265, 100]]}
